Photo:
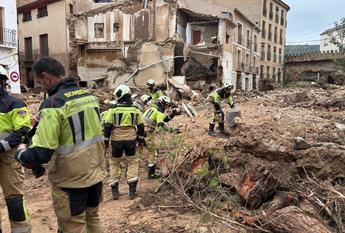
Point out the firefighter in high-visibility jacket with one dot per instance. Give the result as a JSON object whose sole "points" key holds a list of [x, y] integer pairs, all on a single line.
{"points": [[124, 128], [14, 125], [154, 118], [69, 137], [155, 92], [216, 97]]}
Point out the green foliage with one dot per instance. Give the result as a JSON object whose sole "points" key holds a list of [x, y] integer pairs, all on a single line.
{"points": [[337, 38], [203, 170]]}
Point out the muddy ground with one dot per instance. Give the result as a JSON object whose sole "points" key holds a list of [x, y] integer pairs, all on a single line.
{"points": [[267, 136]]}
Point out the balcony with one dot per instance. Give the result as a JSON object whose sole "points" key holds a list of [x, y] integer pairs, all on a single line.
{"points": [[240, 66], [8, 37], [247, 68], [254, 70]]}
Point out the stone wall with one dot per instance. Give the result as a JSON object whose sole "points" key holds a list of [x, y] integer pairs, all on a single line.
{"points": [[324, 66]]}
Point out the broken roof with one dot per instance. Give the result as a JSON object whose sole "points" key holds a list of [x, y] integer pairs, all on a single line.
{"points": [[204, 17]]}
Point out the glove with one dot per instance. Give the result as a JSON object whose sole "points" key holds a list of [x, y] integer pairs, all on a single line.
{"points": [[175, 130], [141, 141], [106, 142], [38, 171], [219, 113]]}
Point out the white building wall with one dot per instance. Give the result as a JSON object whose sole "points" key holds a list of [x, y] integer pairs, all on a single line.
{"points": [[9, 51], [326, 45]]}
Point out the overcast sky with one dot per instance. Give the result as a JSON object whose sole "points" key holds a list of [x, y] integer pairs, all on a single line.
{"points": [[307, 19]]}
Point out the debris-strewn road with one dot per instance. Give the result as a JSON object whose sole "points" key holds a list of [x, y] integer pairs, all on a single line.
{"points": [[291, 132]]}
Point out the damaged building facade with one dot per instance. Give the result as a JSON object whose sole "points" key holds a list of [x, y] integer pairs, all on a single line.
{"points": [[42, 31], [161, 39]]}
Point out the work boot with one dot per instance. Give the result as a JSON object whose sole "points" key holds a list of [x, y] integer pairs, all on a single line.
{"points": [[115, 191], [132, 190], [152, 173], [222, 129], [211, 130]]}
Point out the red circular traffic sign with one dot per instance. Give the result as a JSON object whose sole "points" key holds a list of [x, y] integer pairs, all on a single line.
{"points": [[14, 76]]}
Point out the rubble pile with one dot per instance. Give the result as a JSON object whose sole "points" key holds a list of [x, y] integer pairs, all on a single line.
{"points": [[285, 162]]}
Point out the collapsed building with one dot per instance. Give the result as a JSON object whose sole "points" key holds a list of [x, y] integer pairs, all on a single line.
{"points": [[133, 41]]}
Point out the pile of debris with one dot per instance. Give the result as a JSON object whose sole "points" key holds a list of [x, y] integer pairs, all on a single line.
{"points": [[284, 174]]}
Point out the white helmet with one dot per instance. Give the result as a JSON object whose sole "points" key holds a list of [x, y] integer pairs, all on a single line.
{"points": [[164, 99], [228, 84], [151, 82], [121, 91], [3, 72]]}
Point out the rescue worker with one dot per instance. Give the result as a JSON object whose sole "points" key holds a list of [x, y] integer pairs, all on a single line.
{"points": [[154, 117], [155, 92], [124, 127], [69, 137], [14, 125], [216, 97]]}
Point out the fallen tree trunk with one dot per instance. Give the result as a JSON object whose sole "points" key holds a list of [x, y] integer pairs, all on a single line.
{"points": [[292, 220], [257, 186], [281, 200]]}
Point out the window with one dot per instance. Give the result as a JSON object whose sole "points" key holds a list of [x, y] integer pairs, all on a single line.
{"points": [[44, 51], [282, 17], [263, 53], [101, 1], [239, 60], [277, 14], [71, 10], [274, 73], [196, 37], [326, 42], [116, 27], [28, 48], [263, 31], [27, 16], [99, 30], [268, 72], [264, 10], [270, 32], [275, 54], [42, 12], [281, 37], [275, 35], [280, 56], [269, 52], [239, 33], [1, 25], [271, 10], [255, 43], [227, 39], [248, 39]]}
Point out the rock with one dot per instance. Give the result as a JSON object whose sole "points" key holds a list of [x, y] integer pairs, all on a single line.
{"points": [[202, 230], [340, 126], [301, 144]]}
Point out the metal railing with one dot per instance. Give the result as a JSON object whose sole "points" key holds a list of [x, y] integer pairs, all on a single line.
{"points": [[8, 37]]}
